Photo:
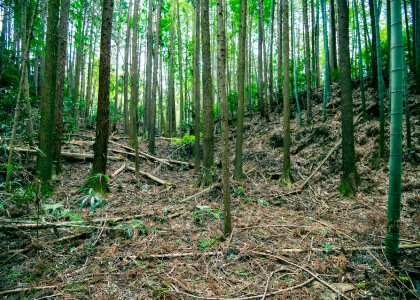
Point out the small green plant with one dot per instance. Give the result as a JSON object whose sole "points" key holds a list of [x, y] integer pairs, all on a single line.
{"points": [[207, 243], [240, 191], [263, 202], [328, 247], [240, 272], [201, 211], [93, 198], [139, 224]]}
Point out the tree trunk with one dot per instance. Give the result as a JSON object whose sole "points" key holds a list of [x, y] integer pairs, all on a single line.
{"points": [[149, 53], [350, 179], [367, 38], [114, 123], [221, 66], [294, 62], [407, 31], [250, 62], [380, 83], [270, 61], [317, 70], [126, 59], [359, 44], [197, 86], [19, 96], [395, 162], [260, 58], [313, 34], [241, 93], [171, 80], [279, 47], [78, 66], [181, 82], [208, 128], [44, 158], [286, 176], [97, 179], [61, 73], [374, 59], [327, 70], [90, 77], [417, 47], [152, 103], [333, 40], [132, 141], [307, 65]]}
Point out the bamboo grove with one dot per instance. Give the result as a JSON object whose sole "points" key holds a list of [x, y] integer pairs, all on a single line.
{"points": [[173, 68]]}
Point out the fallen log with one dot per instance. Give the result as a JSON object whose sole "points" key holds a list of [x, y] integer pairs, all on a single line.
{"points": [[66, 155], [140, 155], [154, 178], [123, 167]]}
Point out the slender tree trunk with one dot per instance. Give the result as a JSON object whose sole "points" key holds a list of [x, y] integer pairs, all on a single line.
{"points": [[97, 179], [221, 65], [149, 51], [44, 158], [114, 123], [395, 161], [374, 59], [171, 80], [132, 141], [307, 65], [270, 60], [18, 100], [260, 58], [407, 107], [126, 59], [78, 66], [380, 84], [279, 47], [249, 64], [181, 82], [162, 118], [333, 40], [367, 38], [350, 179], [197, 85], [294, 62], [313, 62], [286, 176], [61, 73], [359, 44], [407, 32], [327, 71], [152, 128], [90, 76], [241, 93], [208, 156], [417, 47], [317, 70]]}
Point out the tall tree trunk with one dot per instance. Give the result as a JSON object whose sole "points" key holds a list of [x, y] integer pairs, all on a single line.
{"points": [[152, 103], [417, 47], [313, 34], [260, 58], [286, 176], [171, 80], [44, 158], [61, 73], [197, 85], [208, 156], [221, 65], [97, 179], [327, 70], [350, 179], [317, 70], [114, 123], [395, 161], [294, 62], [241, 93], [307, 65], [380, 83], [407, 107], [367, 38], [126, 59], [90, 77], [359, 44], [250, 62], [149, 53], [333, 40], [407, 32], [181, 82], [270, 59], [279, 47], [19, 96], [374, 59], [132, 141]]}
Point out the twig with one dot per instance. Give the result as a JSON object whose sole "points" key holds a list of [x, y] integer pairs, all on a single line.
{"points": [[28, 289], [198, 194], [119, 170], [246, 298], [304, 269]]}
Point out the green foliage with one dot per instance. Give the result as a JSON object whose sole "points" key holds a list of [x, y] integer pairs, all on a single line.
{"points": [[93, 197], [328, 247], [207, 243], [202, 211], [139, 225], [240, 191], [232, 101]]}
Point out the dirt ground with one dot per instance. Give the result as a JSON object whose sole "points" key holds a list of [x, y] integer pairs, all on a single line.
{"points": [[150, 241]]}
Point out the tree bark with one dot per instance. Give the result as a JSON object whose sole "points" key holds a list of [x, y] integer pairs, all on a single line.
{"points": [[286, 176], [350, 179], [90, 77], [171, 80], [61, 73], [152, 103], [132, 141], [149, 53], [181, 82], [44, 158], [126, 59], [197, 86], [374, 58], [279, 48], [241, 92], [333, 40], [114, 123], [97, 179], [307, 64], [221, 66]]}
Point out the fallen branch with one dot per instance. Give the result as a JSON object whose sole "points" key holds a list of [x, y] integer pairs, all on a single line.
{"points": [[198, 194], [134, 155], [245, 298], [304, 269], [154, 178], [28, 289], [145, 256], [66, 155], [123, 167]]}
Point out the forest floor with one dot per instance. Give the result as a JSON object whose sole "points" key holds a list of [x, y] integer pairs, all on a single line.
{"points": [[148, 243]]}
